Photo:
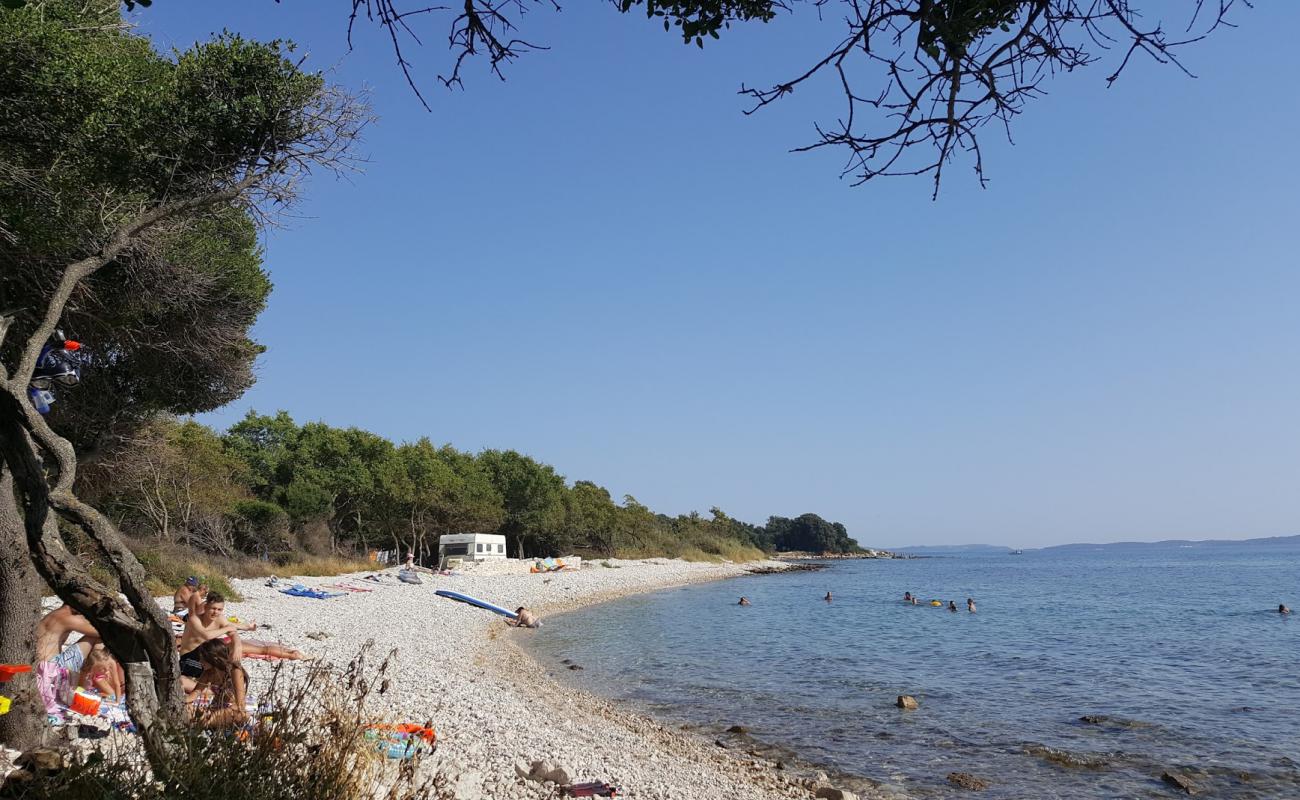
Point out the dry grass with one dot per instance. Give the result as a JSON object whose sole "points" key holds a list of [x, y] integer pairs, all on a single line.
{"points": [[697, 548], [315, 744], [168, 565]]}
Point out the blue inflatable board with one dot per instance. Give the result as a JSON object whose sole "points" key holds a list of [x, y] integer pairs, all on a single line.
{"points": [[474, 601]]}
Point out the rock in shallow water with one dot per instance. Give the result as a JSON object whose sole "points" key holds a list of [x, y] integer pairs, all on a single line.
{"points": [[965, 780], [908, 702], [831, 793], [1179, 781]]}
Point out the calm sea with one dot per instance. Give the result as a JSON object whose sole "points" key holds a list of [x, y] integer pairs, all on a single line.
{"points": [[1179, 649]]}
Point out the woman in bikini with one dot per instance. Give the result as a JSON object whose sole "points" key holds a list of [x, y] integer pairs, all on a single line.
{"points": [[211, 671]]}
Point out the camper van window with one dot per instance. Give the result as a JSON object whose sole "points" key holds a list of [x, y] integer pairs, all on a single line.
{"points": [[478, 548], [455, 550], [501, 548]]}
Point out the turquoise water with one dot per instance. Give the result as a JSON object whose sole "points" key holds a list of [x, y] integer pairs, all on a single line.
{"points": [[1180, 648]]}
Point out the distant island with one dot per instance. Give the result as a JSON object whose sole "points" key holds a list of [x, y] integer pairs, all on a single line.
{"points": [[953, 549], [991, 549]]}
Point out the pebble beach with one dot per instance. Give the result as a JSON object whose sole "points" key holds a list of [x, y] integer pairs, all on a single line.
{"points": [[495, 709]]}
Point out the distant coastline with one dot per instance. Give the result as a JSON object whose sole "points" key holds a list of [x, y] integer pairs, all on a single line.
{"points": [[799, 555], [990, 549]]}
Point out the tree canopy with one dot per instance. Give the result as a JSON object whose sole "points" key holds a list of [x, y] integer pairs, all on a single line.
{"points": [[131, 185], [268, 486], [922, 81]]}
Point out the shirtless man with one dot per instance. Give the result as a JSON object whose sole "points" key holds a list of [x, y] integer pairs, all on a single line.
{"points": [[205, 622], [52, 634], [181, 600], [744, 601], [58, 664], [970, 605], [526, 619], [828, 597]]}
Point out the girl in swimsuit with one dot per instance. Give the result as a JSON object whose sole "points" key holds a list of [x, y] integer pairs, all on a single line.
{"points": [[102, 673], [223, 678]]}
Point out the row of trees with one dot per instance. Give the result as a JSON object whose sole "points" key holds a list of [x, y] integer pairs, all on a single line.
{"points": [[269, 486]]}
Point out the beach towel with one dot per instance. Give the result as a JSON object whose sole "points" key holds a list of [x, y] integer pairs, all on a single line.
{"points": [[314, 594], [405, 740], [55, 688]]}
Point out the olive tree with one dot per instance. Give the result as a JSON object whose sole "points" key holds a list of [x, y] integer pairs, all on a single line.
{"points": [[111, 153]]}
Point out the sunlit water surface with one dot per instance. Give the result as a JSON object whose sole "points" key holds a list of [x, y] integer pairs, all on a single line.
{"points": [[1181, 648]]}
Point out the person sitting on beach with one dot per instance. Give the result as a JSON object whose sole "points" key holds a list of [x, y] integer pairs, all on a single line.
{"points": [[204, 623], [526, 619], [181, 600], [952, 606], [101, 673], [58, 664], [213, 668], [1282, 609], [827, 598], [970, 605], [744, 601]]}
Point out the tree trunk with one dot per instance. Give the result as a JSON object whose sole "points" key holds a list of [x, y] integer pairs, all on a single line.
{"points": [[138, 634], [23, 728]]}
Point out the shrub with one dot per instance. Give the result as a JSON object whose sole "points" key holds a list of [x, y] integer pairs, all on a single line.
{"points": [[314, 744]]}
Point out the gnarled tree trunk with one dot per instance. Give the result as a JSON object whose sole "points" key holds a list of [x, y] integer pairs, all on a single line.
{"points": [[23, 728]]}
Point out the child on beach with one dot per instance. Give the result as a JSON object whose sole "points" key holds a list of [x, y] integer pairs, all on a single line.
{"points": [[101, 673]]}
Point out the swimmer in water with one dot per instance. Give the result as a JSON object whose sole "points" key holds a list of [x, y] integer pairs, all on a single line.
{"points": [[970, 605], [907, 597], [952, 606], [827, 598], [1282, 609], [744, 601]]}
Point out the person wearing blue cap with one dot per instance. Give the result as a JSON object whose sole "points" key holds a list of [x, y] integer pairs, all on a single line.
{"points": [[181, 600]]}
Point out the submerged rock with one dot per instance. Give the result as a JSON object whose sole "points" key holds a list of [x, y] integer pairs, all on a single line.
{"points": [[1065, 758], [737, 729], [908, 702], [1179, 781], [965, 780], [832, 793]]}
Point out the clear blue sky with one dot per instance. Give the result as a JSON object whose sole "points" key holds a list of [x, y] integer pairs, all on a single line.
{"points": [[602, 263]]}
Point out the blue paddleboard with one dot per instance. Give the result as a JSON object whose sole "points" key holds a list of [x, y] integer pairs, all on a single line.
{"points": [[474, 601]]}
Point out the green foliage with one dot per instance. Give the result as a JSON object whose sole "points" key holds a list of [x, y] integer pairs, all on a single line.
{"points": [[700, 18], [810, 533], [97, 127], [278, 487], [532, 499]]}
